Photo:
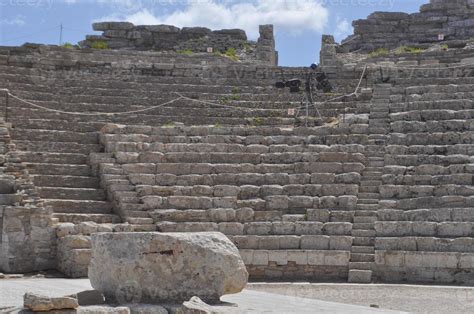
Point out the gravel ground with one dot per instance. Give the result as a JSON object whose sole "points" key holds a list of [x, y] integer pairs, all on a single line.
{"points": [[408, 298], [249, 301]]}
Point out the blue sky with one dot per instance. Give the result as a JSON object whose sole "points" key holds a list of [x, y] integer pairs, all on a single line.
{"points": [[299, 24]]}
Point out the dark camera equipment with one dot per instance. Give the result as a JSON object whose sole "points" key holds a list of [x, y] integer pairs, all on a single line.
{"points": [[315, 79]]}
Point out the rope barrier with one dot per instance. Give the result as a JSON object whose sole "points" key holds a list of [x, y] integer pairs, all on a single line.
{"points": [[355, 93]]}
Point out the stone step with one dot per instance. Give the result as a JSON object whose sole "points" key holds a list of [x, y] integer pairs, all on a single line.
{"points": [[54, 135], [365, 201], [372, 207], [371, 183], [363, 233], [78, 206], [363, 226], [369, 189], [71, 193], [368, 196], [51, 158], [363, 241], [58, 147], [362, 265], [362, 257], [58, 169], [66, 181], [365, 219], [360, 276], [144, 228], [365, 213], [363, 249], [78, 218], [140, 221]]}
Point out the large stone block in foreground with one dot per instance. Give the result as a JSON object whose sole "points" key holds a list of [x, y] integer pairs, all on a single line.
{"points": [[165, 267]]}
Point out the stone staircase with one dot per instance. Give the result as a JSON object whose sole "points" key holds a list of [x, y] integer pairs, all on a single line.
{"points": [[362, 262]]}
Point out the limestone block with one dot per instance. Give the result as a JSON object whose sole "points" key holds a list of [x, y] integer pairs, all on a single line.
{"points": [[226, 190], [316, 242], [299, 257], [172, 259], [153, 202], [289, 242], [280, 257], [277, 202], [340, 243], [308, 228], [244, 214], [36, 302], [337, 258], [231, 228], [320, 215], [258, 228], [269, 243], [260, 258], [316, 258], [65, 229], [337, 228], [270, 190], [282, 228], [455, 229], [221, 215]]}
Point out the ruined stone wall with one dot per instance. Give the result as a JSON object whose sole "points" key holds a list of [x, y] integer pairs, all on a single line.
{"points": [[27, 240], [451, 18], [123, 35]]}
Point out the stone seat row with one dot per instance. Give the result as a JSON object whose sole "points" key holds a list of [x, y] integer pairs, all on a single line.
{"points": [[446, 214], [422, 228], [400, 161], [419, 190], [419, 114], [426, 180], [158, 120], [126, 95], [446, 201], [432, 126], [456, 149], [251, 192], [246, 179], [425, 244], [267, 203]]}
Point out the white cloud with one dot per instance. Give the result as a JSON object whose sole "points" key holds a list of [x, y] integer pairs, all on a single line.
{"points": [[18, 20], [343, 29], [287, 15]]}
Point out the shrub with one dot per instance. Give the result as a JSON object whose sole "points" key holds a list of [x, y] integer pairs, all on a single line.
{"points": [[100, 44], [68, 45], [232, 54], [381, 52], [186, 52], [406, 49]]}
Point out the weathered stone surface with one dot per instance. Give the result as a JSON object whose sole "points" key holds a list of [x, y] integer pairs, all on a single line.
{"points": [[129, 265], [41, 303]]}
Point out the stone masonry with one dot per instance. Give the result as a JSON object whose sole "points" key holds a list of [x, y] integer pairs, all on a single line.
{"points": [[379, 187], [453, 20], [124, 35]]}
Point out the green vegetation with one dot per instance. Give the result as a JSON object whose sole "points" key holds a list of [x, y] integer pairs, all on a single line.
{"points": [[218, 125], [258, 121], [247, 47], [406, 49], [186, 52], [445, 47], [306, 217], [68, 45], [100, 44], [169, 125], [231, 53], [381, 52], [235, 90]]}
